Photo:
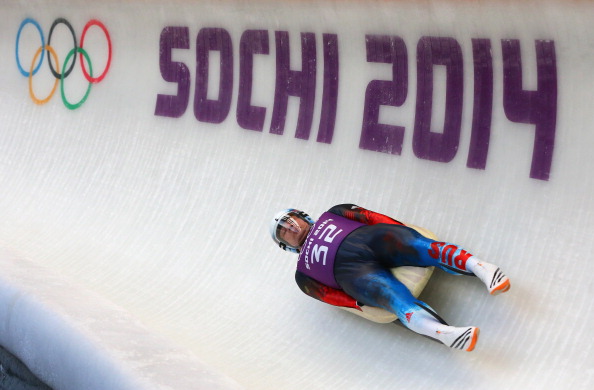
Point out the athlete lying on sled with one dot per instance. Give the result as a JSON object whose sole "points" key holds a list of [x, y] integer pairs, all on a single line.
{"points": [[346, 259]]}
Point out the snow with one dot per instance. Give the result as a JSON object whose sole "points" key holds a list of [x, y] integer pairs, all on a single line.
{"points": [[135, 248]]}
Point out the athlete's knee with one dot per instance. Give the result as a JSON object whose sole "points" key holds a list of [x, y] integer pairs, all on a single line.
{"points": [[370, 290]]}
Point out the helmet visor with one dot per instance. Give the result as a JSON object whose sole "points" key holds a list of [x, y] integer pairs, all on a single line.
{"points": [[290, 223], [291, 230]]}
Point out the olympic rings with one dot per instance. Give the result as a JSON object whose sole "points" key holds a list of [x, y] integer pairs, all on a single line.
{"points": [[97, 23], [18, 38], [72, 54], [49, 42], [52, 56], [33, 97]]}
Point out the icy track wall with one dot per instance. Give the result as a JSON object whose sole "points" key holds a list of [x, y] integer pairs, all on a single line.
{"points": [[136, 196]]}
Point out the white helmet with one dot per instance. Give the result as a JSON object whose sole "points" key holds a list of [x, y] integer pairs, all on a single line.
{"points": [[286, 219]]}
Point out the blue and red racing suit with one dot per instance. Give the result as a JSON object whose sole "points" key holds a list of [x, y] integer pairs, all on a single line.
{"points": [[363, 260]]}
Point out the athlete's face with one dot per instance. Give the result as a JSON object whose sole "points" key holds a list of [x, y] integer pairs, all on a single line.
{"points": [[294, 232]]}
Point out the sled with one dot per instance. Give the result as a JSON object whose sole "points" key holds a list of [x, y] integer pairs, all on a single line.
{"points": [[414, 278]]}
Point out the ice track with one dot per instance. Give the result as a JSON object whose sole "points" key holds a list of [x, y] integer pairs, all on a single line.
{"points": [[133, 226]]}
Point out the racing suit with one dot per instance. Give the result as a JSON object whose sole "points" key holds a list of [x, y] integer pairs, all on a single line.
{"points": [[358, 272]]}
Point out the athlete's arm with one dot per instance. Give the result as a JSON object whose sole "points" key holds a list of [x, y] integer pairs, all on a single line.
{"points": [[362, 215], [323, 293]]}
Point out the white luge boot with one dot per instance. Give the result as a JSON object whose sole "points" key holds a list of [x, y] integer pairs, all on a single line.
{"points": [[458, 338], [425, 321], [490, 275]]}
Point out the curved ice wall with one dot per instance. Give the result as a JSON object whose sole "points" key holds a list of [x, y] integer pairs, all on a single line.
{"points": [[135, 200]]}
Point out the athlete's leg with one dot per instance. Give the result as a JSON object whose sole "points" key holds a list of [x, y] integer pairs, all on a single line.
{"points": [[380, 288], [399, 245]]}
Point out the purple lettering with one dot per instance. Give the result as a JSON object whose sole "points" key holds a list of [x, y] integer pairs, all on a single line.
{"points": [[252, 42], [535, 107], [430, 141], [483, 104], [377, 136], [289, 82], [330, 94], [173, 106], [430, 145], [205, 110]]}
